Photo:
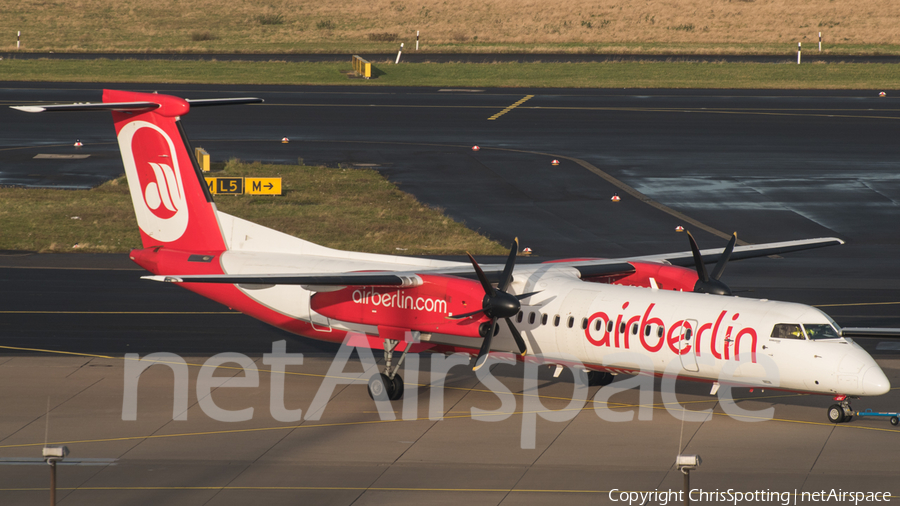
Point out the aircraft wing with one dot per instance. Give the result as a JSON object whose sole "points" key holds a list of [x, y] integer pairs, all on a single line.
{"points": [[586, 268], [397, 279], [870, 332], [601, 267]]}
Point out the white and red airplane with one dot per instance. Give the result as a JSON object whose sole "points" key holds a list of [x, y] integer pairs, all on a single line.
{"points": [[589, 310]]}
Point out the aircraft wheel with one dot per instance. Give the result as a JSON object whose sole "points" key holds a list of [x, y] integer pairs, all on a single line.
{"points": [[835, 413], [847, 418], [397, 388], [599, 378], [895, 420], [380, 386]]}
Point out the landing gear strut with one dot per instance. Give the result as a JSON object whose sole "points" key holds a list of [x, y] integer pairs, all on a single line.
{"points": [[840, 413], [388, 386]]}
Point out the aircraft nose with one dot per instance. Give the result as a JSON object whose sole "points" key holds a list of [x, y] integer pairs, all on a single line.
{"points": [[875, 382]]}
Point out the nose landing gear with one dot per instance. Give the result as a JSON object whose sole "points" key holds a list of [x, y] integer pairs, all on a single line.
{"points": [[840, 413]]}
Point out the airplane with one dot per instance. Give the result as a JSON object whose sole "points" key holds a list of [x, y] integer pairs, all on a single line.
{"points": [[588, 309]]}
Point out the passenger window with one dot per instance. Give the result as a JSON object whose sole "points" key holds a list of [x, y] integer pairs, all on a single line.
{"points": [[584, 323], [543, 319], [609, 326], [556, 321], [660, 331], [571, 321], [687, 334], [531, 318], [787, 331], [519, 317], [647, 331], [634, 329], [597, 325], [622, 328]]}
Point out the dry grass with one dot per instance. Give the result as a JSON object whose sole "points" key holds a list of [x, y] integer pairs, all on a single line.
{"points": [[352, 209], [579, 25]]}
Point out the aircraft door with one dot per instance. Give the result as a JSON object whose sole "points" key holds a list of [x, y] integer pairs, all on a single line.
{"points": [[685, 346]]}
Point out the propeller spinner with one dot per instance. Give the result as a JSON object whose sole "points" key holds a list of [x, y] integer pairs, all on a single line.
{"points": [[710, 283], [498, 303]]}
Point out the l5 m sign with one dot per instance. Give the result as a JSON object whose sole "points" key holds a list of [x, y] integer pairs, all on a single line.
{"points": [[244, 185], [262, 185]]}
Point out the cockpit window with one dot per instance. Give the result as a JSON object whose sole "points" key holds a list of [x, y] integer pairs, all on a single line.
{"points": [[787, 331], [820, 331]]}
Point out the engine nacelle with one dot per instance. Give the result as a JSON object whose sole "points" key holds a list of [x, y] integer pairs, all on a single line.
{"points": [[424, 308], [667, 277]]}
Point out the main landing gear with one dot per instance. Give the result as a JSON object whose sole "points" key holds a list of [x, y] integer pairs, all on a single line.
{"points": [[599, 378], [388, 386], [840, 413]]}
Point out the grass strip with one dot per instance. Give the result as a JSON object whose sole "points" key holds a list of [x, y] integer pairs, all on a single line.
{"points": [[352, 209], [550, 75], [612, 26]]}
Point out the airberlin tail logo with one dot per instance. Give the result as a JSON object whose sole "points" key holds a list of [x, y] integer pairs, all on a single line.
{"points": [[163, 195], [154, 179]]}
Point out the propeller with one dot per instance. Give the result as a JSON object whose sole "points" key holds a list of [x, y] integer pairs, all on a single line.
{"points": [[709, 283], [497, 303]]}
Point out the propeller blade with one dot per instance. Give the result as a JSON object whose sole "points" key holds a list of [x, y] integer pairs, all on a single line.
{"points": [[506, 277], [698, 259], [517, 336], [488, 288], [526, 295], [485, 346], [466, 315], [726, 254]]}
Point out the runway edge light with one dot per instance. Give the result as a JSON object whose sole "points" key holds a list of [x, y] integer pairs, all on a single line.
{"points": [[475, 148], [284, 140]]}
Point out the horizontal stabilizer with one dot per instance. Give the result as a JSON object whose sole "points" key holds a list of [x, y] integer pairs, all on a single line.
{"points": [[120, 106], [132, 106], [203, 102]]}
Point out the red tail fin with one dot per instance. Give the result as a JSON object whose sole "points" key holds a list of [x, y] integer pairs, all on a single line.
{"points": [[171, 201]]}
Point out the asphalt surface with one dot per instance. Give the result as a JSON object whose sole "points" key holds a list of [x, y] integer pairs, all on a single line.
{"points": [[771, 165]]}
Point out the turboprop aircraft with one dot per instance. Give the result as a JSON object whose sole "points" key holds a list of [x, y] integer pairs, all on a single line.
{"points": [[584, 311]]}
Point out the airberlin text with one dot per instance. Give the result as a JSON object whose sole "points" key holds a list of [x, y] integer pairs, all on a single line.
{"points": [[399, 300], [681, 337]]}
